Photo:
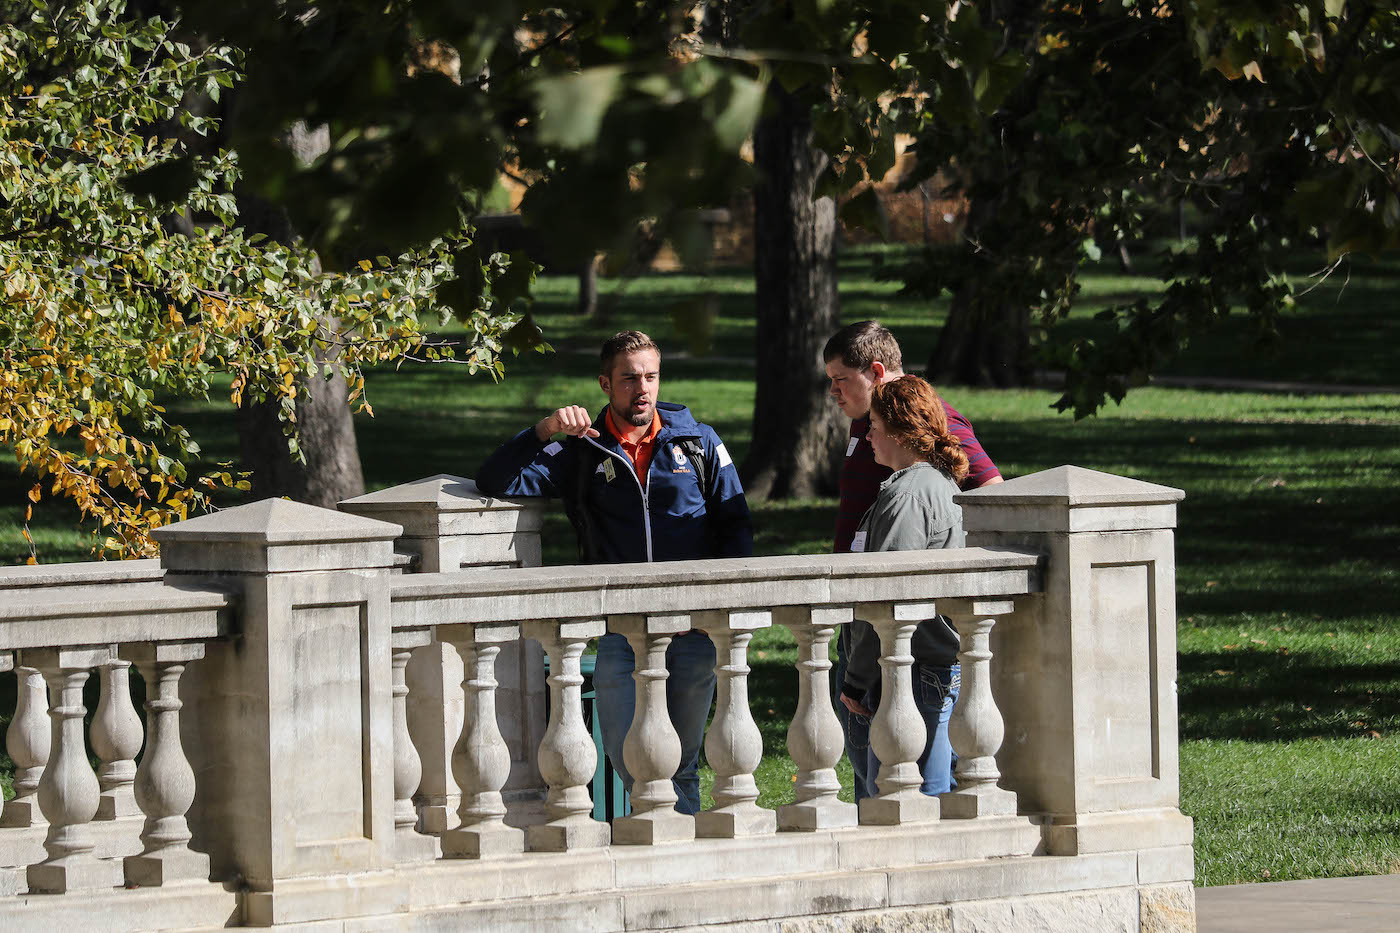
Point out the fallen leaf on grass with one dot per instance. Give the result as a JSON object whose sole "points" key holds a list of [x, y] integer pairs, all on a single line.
{"points": [[1258, 641], [1373, 734], [1224, 673]]}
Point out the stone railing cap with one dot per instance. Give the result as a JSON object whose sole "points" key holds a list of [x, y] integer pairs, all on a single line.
{"points": [[278, 521], [1071, 486], [441, 493], [81, 573]]}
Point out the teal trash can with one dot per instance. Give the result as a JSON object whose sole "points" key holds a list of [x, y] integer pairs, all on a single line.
{"points": [[610, 798]]}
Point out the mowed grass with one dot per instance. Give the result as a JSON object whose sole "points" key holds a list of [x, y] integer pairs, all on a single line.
{"points": [[1288, 545]]}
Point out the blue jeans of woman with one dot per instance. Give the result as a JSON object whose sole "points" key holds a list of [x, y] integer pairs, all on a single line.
{"points": [[690, 689], [935, 693]]}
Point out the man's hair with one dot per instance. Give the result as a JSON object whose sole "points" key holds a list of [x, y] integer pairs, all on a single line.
{"points": [[629, 341], [913, 415], [860, 344]]}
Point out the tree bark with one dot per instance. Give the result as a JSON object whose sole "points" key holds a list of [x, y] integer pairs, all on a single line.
{"points": [[796, 429], [986, 339], [331, 470]]}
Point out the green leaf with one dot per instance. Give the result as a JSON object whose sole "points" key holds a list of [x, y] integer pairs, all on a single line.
{"points": [[572, 106], [864, 210]]}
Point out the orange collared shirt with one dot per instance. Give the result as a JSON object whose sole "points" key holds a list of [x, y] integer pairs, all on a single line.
{"points": [[640, 452]]}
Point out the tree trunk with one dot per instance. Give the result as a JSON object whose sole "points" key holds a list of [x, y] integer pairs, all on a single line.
{"points": [[986, 339], [797, 431], [588, 287], [331, 471]]}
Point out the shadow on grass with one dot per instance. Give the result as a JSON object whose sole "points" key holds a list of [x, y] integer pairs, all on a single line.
{"points": [[1268, 696]]}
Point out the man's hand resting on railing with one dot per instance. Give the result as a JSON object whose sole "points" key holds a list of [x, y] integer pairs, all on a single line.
{"points": [[573, 420]]}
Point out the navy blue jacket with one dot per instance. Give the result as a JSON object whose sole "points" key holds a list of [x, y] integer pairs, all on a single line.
{"points": [[670, 520]]}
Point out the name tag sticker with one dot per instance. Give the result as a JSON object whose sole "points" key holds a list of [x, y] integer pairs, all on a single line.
{"points": [[553, 448], [851, 447], [724, 458], [609, 471], [858, 543]]}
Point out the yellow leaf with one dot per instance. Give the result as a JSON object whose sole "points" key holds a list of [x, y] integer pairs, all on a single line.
{"points": [[35, 492], [365, 265], [1252, 71]]}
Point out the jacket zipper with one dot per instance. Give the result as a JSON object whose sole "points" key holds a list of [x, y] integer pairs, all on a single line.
{"points": [[646, 502]]}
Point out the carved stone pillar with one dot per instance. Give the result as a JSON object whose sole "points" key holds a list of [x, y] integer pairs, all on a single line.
{"points": [[814, 736], [897, 733], [976, 728], [1086, 670], [116, 740], [481, 761], [164, 785], [289, 725], [28, 742], [652, 750], [68, 790], [733, 744], [567, 755], [409, 844]]}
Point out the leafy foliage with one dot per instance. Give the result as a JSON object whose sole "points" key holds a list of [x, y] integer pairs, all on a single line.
{"points": [[1071, 126], [109, 310]]}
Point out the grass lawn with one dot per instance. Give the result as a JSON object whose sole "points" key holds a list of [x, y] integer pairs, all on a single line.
{"points": [[1288, 548]]}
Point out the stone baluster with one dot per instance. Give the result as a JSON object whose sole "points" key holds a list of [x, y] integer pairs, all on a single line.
{"points": [[68, 790], [652, 750], [27, 741], [733, 744], [567, 755], [116, 740], [481, 760], [164, 785], [897, 733], [814, 736], [409, 844], [976, 728], [7, 663]]}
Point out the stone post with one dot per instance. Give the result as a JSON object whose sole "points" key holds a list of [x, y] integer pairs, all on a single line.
{"points": [[733, 744], [27, 741], [976, 728], [1086, 672], [449, 525], [289, 725], [68, 790], [814, 736], [652, 750], [568, 757], [164, 786], [897, 732], [116, 740]]}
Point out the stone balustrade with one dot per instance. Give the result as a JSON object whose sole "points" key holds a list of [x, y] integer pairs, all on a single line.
{"points": [[328, 738]]}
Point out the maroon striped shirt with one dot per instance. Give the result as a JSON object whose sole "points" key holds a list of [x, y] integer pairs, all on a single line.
{"points": [[861, 476]]}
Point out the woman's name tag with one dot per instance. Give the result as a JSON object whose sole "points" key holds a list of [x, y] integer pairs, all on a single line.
{"points": [[858, 543]]}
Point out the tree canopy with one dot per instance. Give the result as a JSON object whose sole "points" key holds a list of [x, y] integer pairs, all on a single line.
{"points": [[116, 301]]}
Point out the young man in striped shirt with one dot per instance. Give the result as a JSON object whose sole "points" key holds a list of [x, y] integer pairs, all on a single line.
{"points": [[858, 358]]}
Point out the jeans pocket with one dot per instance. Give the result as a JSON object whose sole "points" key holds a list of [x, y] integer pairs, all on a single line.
{"points": [[937, 684]]}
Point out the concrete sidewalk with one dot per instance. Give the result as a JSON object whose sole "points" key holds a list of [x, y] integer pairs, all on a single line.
{"points": [[1369, 904]]}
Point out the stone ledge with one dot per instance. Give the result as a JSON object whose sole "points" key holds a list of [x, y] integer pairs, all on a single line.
{"points": [[189, 906]]}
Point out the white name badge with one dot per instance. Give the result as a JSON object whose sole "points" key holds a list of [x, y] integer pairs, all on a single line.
{"points": [[723, 455], [851, 447], [553, 448], [858, 543]]}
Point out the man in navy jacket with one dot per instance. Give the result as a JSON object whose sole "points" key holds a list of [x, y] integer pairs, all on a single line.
{"points": [[641, 481]]}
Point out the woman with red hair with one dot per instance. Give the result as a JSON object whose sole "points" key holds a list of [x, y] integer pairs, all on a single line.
{"points": [[914, 511]]}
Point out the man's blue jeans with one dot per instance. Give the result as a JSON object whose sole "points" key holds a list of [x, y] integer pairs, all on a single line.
{"points": [[935, 692], [690, 689]]}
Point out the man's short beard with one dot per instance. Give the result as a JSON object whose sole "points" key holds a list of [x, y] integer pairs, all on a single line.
{"points": [[639, 420]]}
